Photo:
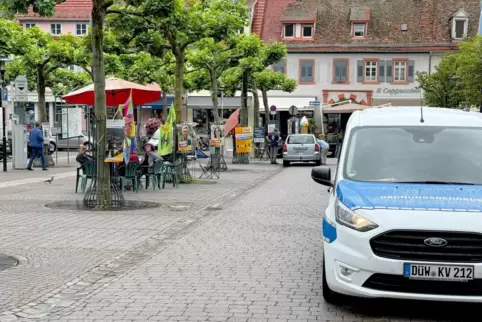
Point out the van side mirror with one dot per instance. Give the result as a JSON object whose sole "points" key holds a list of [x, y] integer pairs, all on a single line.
{"points": [[322, 175]]}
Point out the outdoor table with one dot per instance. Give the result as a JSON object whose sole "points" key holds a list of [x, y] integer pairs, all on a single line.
{"points": [[114, 178]]}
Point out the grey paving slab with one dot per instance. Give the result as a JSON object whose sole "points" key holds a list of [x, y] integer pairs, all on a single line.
{"points": [[257, 257], [69, 253]]}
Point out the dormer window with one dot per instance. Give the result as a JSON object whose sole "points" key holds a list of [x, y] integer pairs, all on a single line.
{"points": [[359, 30], [460, 24], [307, 31], [359, 18], [298, 28], [289, 30]]}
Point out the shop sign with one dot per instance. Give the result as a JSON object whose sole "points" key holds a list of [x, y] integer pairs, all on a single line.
{"points": [[396, 91]]}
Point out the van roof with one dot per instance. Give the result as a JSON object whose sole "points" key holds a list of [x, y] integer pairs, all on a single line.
{"points": [[410, 116]]}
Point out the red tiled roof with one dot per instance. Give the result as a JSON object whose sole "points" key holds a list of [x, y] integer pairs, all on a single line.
{"points": [[428, 23], [272, 19], [68, 10]]}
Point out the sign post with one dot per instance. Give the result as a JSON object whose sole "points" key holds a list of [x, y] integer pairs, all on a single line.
{"points": [[21, 88]]}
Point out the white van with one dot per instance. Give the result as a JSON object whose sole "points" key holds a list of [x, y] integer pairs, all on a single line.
{"points": [[404, 217]]}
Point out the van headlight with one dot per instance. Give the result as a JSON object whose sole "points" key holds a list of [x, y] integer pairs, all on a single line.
{"points": [[349, 218]]}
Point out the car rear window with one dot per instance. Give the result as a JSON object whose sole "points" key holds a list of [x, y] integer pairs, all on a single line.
{"points": [[301, 139]]}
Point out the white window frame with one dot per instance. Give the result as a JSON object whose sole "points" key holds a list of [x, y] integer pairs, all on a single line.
{"points": [[466, 27], [303, 26], [359, 24], [30, 25], [370, 65], [81, 24], [56, 25], [284, 30], [400, 71]]}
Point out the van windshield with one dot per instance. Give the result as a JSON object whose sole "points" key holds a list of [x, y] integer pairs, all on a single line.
{"points": [[301, 139], [415, 154]]}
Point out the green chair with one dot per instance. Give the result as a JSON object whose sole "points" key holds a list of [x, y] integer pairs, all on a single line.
{"points": [[155, 176], [85, 172], [171, 171], [131, 173]]}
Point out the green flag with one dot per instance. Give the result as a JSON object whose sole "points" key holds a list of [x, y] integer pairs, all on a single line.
{"points": [[165, 135]]}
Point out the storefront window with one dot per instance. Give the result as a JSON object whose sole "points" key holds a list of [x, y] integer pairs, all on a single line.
{"points": [[200, 116]]}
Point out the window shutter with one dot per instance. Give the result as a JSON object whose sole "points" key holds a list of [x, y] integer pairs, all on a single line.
{"points": [[388, 71], [359, 68], [337, 71], [381, 72], [411, 71], [343, 75]]}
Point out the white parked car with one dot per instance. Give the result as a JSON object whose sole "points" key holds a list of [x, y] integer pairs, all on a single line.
{"points": [[404, 217]]}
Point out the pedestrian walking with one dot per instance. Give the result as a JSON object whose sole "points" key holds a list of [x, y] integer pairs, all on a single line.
{"points": [[324, 148], [36, 143], [273, 140]]}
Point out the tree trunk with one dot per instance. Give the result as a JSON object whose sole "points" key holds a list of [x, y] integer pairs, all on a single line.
{"points": [[178, 88], [214, 95], [256, 105], [243, 118], [178, 91], [164, 106], [43, 117], [98, 70], [42, 108], [266, 110]]}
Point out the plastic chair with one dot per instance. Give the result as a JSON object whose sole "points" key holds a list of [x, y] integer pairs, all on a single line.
{"points": [[171, 171], [132, 173], [88, 172], [155, 176]]}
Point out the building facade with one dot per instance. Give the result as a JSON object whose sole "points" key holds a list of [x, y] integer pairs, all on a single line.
{"points": [[366, 51]]}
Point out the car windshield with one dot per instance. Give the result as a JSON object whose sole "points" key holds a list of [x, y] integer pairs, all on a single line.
{"points": [[415, 154], [301, 139]]}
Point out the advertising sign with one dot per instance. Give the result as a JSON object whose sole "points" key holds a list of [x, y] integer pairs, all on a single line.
{"points": [[71, 122], [46, 132], [184, 139], [217, 137], [244, 139], [115, 137], [259, 136]]}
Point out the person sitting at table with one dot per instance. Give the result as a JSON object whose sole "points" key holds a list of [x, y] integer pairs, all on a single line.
{"points": [[150, 157], [83, 157], [121, 166]]}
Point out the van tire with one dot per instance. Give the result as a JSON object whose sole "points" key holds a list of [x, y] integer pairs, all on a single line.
{"points": [[286, 163], [330, 296]]}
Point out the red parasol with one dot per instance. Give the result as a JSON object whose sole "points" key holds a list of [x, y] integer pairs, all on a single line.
{"points": [[232, 122], [117, 92]]}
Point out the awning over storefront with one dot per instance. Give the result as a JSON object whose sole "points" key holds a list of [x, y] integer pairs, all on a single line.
{"points": [[284, 103], [397, 101], [343, 108], [207, 102], [157, 105]]}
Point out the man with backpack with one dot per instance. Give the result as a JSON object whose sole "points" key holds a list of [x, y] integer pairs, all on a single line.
{"points": [[273, 140]]}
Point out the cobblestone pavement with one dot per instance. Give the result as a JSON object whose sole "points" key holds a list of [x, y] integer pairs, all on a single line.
{"points": [[250, 252], [63, 253]]}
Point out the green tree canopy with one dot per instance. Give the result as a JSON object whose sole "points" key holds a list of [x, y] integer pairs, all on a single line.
{"points": [[39, 55], [159, 25], [442, 88]]}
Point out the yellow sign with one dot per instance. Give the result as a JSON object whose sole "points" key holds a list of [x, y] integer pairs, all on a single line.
{"points": [[244, 139]]}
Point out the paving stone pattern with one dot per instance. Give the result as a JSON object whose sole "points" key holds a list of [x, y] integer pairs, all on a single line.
{"points": [[67, 249], [249, 251]]}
